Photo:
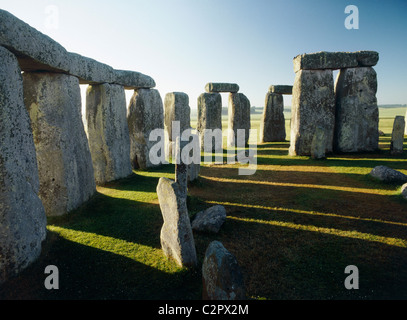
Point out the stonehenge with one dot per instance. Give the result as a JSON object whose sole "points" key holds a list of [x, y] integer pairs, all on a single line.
{"points": [[22, 214], [144, 114], [210, 116], [347, 111], [397, 136], [272, 125], [50, 164], [64, 161], [108, 132]]}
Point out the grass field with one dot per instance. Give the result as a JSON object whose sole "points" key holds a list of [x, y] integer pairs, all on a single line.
{"points": [[293, 226]]}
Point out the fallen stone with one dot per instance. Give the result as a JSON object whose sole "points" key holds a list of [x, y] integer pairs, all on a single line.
{"points": [[144, 114], [281, 89], [210, 118], [325, 60], [22, 216], [272, 125], [64, 160], [210, 220], [221, 275], [221, 87], [108, 133], [313, 105], [238, 119], [387, 174], [381, 133], [357, 113], [397, 136], [176, 237], [318, 144]]}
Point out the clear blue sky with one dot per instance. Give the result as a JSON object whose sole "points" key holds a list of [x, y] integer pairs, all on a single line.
{"points": [[183, 44]]}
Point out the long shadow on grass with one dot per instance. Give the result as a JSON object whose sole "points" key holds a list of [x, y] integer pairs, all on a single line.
{"points": [[281, 262], [89, 273], [119, 218], [320, 180]]}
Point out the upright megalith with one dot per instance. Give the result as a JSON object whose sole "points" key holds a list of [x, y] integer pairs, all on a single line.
{"points": [[144, 114], [272, 125], [108, 132], [356, 110], [349, 114], [177, 117], [313, 105], [22, 216], [397, 136], [209, 125], [64, 160], [238, 120]]}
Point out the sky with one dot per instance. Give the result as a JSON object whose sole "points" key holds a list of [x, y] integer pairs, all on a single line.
{"points": [[184, 44]]}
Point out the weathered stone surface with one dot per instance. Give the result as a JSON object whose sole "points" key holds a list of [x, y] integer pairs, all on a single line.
{"points": [[387, 174], [357, 113], [404, 191], [210, 220], [38, 52], [367, 58], [108, 132], [144, 114], [325, 60], [313, 105], [176, 108], [397, 136], [272, 125], [34, 50], [64, 160], [221, 275], [133, 80], [239, 118], [221, 87], [209, 118], [22, 216], [281, 89], [318, 143], [176, 237]]}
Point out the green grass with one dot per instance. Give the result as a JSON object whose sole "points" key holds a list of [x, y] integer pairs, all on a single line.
{"points": [[293, 226]]}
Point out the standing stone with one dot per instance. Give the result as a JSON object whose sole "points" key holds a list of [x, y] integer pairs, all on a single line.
{"points": [[176, 108], [357, 113], [210, 118], [176, 237], [145, 114], [22, 216], [221, 275], [108, 132], [405, 130], [318, 144], [64, 160], [313, 105], [272, 126], [239, 118], [397, 136]]}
